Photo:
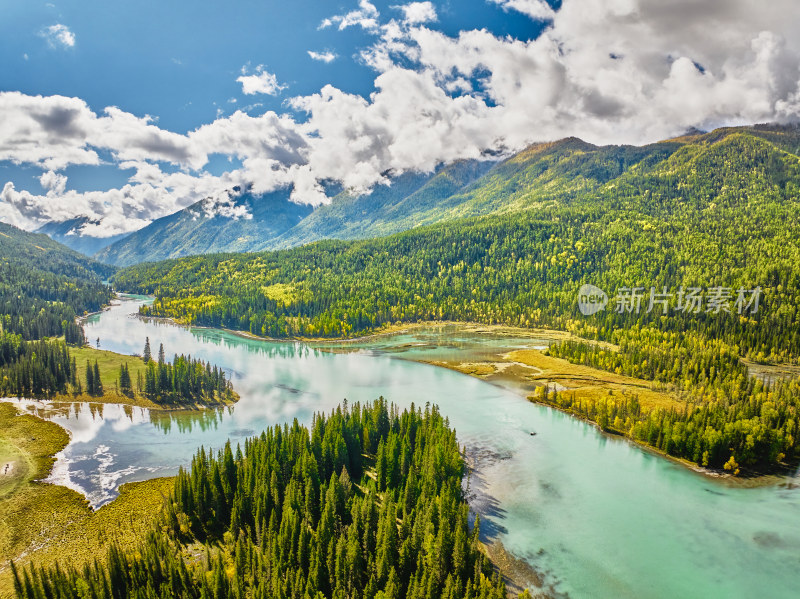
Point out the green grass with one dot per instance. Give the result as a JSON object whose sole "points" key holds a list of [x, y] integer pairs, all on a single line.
{"points": [[109, 363], [14, 468], [45, 523]]}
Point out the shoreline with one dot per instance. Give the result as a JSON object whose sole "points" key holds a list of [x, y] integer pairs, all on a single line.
{"points": [[385, 331], [743, 481], [746, 480], [114, 400], [517, 574]]}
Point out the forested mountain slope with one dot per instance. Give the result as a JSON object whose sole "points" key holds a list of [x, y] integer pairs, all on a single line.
{"points": [[411, 200], [44, 284], [43, 287], [719, 211], [564, 172]]}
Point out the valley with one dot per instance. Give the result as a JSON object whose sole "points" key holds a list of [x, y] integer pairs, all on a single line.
{"points": [[496, 299], [581, 479], [458, 290]]}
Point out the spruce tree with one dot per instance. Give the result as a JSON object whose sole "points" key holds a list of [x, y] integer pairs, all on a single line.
{"points": [[98, 383], [89, 379], [147, 355]]}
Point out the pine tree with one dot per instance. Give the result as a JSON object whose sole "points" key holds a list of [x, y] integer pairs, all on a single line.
{"points": [[89, 379], [124, 379], [146, 356], [98, 383]]}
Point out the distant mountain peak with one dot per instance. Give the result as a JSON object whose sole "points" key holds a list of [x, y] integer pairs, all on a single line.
{"points": [[225, 205], [70, 233]]}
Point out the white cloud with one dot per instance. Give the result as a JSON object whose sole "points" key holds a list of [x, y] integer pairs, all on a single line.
{"points": [[416, 13], [224, 205], [536, 9], [261, 82], [56, 131], [365, 16], [326, 56], [58, 36], [54, 183], [623, 71]]}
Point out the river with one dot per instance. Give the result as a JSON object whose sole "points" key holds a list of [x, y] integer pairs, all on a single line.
{"points": [[597, 516]]}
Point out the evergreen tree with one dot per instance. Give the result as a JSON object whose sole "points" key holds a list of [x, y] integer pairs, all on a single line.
{"points": [[98, 384], [246, 510], [90, 388], [146, 355]]}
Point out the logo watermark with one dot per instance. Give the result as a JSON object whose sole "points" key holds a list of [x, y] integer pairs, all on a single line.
{"points": [[591, 299], [687, 300]]}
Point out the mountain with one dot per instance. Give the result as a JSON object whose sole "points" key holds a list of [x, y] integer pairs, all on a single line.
{"points": [[36, 252], [68, 233], [542, 175], [43, 287], [717, 209], [405, 203], [236, 221]]}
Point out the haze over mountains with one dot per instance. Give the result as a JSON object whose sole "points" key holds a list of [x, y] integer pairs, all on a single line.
{"points": [[547, 172], [68, 232]]}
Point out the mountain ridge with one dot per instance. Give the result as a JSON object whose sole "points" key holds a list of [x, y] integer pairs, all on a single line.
{"points": [[556, 171]]}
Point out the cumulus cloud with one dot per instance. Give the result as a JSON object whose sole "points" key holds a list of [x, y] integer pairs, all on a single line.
{"points": [[365, 16], [418, 12], [260, 82], [58, 36], [54, 183], [55, 131], [622, 71], [327, 56], [116, 210]]}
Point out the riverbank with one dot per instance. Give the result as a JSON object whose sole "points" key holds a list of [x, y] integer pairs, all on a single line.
{"points": [[109, 365], [529, 372], [46, 523], [388, 330]]}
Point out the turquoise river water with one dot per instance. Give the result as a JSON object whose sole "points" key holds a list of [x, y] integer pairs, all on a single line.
{"points": [[596, 516]]}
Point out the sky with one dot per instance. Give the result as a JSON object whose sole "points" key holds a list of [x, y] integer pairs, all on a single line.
{"points": [[128, 111]]}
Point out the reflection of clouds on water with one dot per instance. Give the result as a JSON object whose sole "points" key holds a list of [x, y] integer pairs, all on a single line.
{"points": [[94, 474], [84, 421], [60, 474], [600, 513]]}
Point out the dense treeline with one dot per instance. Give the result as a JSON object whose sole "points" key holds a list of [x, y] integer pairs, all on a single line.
{"points": [[44, 285], [185, 380], [729, 419], [720, 213], [34, 368], [368, 504], [670, 227]]}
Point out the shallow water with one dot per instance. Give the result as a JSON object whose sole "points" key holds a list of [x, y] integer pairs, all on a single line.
{"points": [[597, 515]]}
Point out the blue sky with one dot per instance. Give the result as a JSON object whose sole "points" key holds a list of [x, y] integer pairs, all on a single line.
{"points": [[179, 61], [404, 87]]}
